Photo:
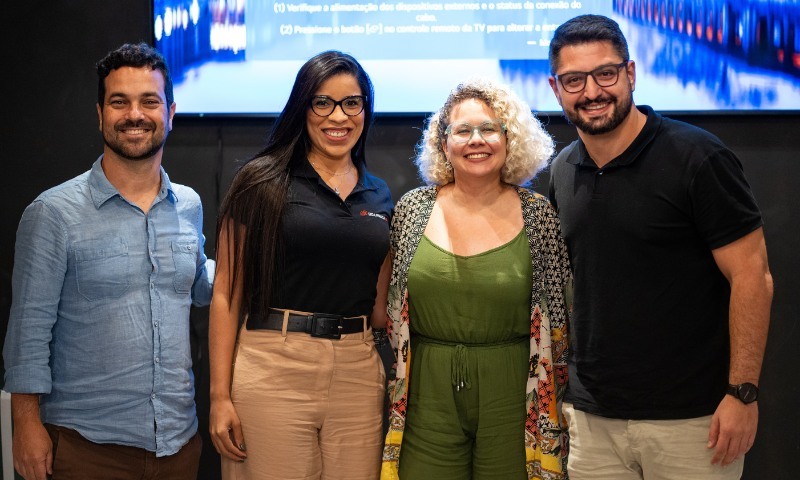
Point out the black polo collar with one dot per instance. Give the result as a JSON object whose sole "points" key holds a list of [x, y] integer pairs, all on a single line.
{"points": [[580, 155]]}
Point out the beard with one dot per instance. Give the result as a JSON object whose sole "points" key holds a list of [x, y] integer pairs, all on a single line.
{"points": [[605, 124], [128, 150]]}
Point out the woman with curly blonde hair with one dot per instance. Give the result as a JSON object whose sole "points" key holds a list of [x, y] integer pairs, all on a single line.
{"points": [[479, 293]]}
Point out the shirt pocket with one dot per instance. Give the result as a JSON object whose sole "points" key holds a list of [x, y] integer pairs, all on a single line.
{"points": [[184, 254], [102, 268]]}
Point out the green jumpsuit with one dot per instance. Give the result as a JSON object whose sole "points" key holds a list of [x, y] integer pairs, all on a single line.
{"points": [[470, 331]]}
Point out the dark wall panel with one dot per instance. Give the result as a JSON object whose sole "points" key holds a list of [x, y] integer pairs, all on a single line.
{"points": [[53, 136], [51, 131], [769, 148]]}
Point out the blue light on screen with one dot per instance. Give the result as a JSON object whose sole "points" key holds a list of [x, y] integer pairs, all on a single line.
{"points": [[241, 57]]}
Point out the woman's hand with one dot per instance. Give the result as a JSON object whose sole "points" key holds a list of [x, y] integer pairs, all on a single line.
{"points": [[226, 431]]}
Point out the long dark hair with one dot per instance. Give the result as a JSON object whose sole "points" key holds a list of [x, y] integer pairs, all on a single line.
{"points": [[251, 212]]}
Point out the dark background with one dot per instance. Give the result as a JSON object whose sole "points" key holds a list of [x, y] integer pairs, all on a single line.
{"points": [[51, 135]]}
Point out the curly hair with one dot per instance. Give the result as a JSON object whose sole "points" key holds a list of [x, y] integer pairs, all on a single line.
{"points": [[529, 147]]}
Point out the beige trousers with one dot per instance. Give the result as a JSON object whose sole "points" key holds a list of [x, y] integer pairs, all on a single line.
{"points": [[612, 449], [310, 408]]}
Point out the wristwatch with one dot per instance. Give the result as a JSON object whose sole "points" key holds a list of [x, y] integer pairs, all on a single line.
{"points": [[745, 392]]}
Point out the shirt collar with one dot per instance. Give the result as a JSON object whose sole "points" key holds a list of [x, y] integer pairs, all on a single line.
{"points": [[652, 125], [102, 190]]}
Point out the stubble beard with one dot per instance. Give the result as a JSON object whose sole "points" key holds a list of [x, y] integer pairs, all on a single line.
{"points": [[599, 126], [132, 151]]}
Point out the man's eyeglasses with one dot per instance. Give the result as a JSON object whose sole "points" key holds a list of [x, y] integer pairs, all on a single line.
{"points": [[604, 76], [351, 106], [489, 131]]}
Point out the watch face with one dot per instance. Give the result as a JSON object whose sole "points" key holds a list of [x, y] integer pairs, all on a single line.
{"points": [[748, 392]]}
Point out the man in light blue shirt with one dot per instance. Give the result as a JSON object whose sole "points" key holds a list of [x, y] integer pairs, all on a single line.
{"points": [[107, 265]]}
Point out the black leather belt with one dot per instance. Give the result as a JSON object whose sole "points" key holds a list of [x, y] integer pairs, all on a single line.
{"points": [[323, 325]]}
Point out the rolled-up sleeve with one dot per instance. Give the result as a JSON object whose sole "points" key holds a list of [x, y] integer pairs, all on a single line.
{"points": [[40, 265], [204, 277], [204, 282]]}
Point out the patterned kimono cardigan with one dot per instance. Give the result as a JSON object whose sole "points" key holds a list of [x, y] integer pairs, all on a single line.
{"points": [[551, 297]]}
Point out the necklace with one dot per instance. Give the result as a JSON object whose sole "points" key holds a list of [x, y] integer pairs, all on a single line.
{"points": [[349, 169], [333, 174]]}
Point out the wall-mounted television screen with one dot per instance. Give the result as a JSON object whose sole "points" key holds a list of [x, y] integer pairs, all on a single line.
{"points": [[240, 57]]}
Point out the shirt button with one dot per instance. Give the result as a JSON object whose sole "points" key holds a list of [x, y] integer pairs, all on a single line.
{"points": [[157, 360], [155, 324], [599, 173], [153, 396]]}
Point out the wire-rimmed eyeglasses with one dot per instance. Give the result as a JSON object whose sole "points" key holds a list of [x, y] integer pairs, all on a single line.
{"points": [[351, 106], [604, 76], [489, 131]]}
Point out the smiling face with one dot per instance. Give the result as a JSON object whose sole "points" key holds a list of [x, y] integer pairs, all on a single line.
{"points": [[595, 110], [333, 137], [134, 117], [476, 158]]}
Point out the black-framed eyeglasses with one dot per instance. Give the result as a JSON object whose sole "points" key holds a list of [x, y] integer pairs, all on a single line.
{"points": [[351, 106], [604, 76], [489, 131]]}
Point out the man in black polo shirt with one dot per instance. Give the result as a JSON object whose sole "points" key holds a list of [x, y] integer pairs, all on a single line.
{"points": [[672, 286]]}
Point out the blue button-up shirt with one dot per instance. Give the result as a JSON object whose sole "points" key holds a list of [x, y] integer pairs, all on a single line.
{"points": [[99, 319]]}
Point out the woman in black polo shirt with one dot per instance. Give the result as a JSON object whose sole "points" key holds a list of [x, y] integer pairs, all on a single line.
{"points": [[301, 256]]}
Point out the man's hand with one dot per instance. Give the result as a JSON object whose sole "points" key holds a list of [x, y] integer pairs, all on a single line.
{"points": [[733, 430], [33, 449]]}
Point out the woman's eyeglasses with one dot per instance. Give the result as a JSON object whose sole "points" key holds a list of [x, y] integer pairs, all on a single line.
{"points": [[351, 106], [489, 131]]}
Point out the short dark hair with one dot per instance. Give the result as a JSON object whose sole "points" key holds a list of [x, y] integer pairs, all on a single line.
{"points": [[586, 29], [132, 55]]}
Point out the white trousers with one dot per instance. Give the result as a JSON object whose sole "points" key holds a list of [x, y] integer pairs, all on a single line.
{"points": [[612, 449]]}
